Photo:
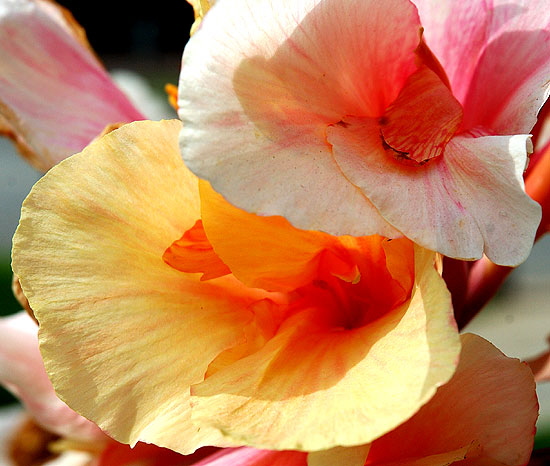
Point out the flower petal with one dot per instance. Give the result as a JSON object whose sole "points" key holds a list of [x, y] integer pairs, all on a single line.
{"points": [[482, 45], [463, 204], [277, 86], [279, 256], [22, 372], [311, 376], [200, 8], [123, 334], [489, 405], [423, 119], [54, 93], [350, 456], [254, 457], [143, 454]]}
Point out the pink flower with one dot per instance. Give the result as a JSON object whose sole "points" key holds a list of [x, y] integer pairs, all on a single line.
{"points": [[339, 116], [22, 372], [55, 96]]}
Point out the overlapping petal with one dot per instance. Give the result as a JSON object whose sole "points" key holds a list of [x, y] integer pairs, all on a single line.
{"points": [[284, 87], [154, 353], [482, 45], [486, 414], [448, 200], [273, 104], [314, 360], [55, 96]]}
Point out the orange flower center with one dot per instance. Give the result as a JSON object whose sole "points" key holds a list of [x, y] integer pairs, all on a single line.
{"points": [[345, 300]]}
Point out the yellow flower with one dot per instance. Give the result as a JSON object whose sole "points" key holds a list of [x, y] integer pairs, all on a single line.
{"points": [[169, 316]]}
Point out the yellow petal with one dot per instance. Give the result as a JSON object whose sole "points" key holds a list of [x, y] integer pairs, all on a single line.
{"points": [[123, 334], [314, 386]]}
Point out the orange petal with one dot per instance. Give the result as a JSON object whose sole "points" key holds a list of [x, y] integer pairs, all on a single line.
{"points": [[267, 252], [422, 120], [313, 375], [193, 253]]}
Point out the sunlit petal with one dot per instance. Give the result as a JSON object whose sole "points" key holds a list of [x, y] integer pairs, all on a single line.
{"points": [[22, 372], [123, 334], [447, 204], [313, 373]]}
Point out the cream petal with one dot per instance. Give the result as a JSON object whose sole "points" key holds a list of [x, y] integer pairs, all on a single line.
{"points": [[123, 334], [469, 201], [54, 93], [22, 372]]}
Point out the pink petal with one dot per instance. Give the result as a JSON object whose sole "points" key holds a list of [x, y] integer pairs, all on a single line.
{"points": [[265, 91], [489, 405], [254, 457], [496, 54], [54, 93], [463, 204], [23, 373], [540, 365]]}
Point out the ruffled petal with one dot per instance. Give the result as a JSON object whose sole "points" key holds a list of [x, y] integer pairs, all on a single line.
{"points": [[486, 413], [422, 120], [54, 94], [277, 84], [465, 203], [22, 372], [123, 334], [315, 385], [278, 256], [482, 45]]}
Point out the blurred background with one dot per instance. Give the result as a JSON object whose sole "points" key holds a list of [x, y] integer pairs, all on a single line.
{"points": [[142, 47]]}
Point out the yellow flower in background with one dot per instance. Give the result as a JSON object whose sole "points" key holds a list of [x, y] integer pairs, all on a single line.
{"points": [[169, 316]]}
